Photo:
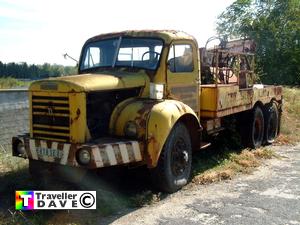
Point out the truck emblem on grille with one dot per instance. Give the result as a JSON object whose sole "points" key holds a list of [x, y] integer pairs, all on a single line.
{"points": [[50, 111]]}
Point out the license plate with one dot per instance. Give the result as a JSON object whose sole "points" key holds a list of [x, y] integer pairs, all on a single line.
{"points": [[49, 152]]}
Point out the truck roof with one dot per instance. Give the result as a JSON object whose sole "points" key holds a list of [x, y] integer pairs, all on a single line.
{"points": [[166, 35]]}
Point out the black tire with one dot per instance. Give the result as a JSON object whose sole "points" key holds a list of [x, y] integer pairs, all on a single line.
{"points": [[271, 123], [255, 129], [174, 165]]}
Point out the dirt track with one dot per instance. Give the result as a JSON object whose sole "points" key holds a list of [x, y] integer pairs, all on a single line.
{"points": [[271, 195]]}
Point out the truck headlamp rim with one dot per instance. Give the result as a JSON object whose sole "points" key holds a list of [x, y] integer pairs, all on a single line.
{"points": [[130, 129], [21, 148], [83, 157]]}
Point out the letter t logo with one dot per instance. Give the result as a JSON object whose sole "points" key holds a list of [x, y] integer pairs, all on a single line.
{"points": [[24, 200]]}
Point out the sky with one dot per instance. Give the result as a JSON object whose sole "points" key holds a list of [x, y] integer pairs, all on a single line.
{"points": [[36, 31]]}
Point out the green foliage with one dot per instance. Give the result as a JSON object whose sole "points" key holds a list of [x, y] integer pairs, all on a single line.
{"points": [[25, 71], [12, 82], [275, 27]]}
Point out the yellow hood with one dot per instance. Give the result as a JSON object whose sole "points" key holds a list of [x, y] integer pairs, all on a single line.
{"points": [[90, 82]]}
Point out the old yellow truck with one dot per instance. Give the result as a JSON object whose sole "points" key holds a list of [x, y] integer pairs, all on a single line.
{"points": [[145, 98]]}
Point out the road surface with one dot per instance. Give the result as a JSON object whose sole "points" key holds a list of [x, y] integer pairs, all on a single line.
{"points": [[270, 195]]}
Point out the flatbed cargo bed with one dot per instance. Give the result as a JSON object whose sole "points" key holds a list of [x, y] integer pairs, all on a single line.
{"points": [[225, 99]]}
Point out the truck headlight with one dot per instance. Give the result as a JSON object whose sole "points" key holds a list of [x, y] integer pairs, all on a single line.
{"points": [[83, 157], [130, 129], [21, 148]]}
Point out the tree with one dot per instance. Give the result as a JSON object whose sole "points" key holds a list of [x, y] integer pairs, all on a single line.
{"points": [[25, 71], [275, 27]]}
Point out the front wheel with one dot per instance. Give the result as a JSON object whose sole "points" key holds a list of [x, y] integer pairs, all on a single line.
{"points": [[174, 165]]}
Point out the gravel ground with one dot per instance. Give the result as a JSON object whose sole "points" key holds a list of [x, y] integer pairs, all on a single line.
{"points": [[270, 195]]}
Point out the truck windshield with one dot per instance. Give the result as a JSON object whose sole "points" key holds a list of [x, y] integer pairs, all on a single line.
{"points": [[125, 52]]}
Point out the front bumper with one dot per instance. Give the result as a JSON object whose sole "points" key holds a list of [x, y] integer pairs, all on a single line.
{"points": [[104, 152]]}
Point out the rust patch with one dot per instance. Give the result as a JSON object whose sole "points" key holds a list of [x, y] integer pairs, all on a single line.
{"points": [[72, 153], [130, 152], [143, 113], [117, 152], [150, 157], [104, 156], [141, 121], [77, 114], [154, 150], [93, 160], [49, 144], [147, 106]]}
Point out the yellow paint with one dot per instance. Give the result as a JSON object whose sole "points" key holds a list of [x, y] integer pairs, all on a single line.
{"points": [[185, 79], [92, 82], [130, 110], [161, 120], [78, 128], [154, 120], [223, 100], [208, 98]]}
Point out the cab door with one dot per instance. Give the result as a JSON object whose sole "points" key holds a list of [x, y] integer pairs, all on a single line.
{"points": [[183, 73]]}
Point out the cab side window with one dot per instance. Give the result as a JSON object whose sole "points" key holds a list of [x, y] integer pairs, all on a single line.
{"points": [[180, 59]]}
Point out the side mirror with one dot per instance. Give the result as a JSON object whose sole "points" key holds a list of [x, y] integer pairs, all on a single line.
{"points": [[66, 55]]}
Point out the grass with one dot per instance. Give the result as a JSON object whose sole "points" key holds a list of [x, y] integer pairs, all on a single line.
{"points": [[229, 159], [230, 163], [9, 82], [132, 188], [290, 124]]}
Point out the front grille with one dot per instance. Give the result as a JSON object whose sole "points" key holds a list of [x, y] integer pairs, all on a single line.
{"points": [[51, 118]]}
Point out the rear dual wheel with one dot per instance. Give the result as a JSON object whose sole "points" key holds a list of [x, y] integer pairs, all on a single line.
{"points": [[271, 123], [251, 125], [257, 126], [260, 126]]}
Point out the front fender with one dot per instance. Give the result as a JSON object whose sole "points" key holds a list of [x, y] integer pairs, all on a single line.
{"points": [[154, 119], [161, 120]]}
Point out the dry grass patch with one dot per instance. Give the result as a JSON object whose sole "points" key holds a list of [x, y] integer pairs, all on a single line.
{"points": [[236, 163], [290, 123], [213, 176], [145, 198]]}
